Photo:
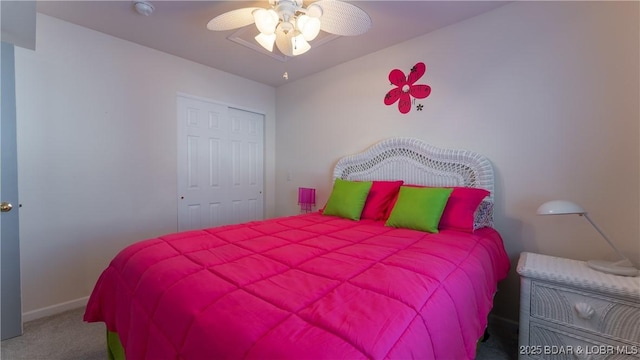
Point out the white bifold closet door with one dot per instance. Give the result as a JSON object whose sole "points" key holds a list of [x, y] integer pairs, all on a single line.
{"points": [[220, 164]]}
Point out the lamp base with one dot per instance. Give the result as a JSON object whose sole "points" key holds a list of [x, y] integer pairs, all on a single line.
{"points": [[622, 267]]}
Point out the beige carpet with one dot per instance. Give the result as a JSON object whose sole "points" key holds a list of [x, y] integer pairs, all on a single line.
{"points": [[67, 337], [59, 337]]}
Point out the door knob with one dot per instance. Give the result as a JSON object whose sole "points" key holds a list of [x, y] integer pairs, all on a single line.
{"points": [[5, 206]]}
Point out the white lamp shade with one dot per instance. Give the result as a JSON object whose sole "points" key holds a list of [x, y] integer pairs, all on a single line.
{"points": [[266, 20], [266, 41], [314, 10], [559, 207], [283, 40], [308, 26]]}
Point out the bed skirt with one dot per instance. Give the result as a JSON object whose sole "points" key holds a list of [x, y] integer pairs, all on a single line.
{"points": [[114, 346], [116, 351]]}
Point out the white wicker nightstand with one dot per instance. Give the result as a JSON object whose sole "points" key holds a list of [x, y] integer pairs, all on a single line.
{"points": [[570, 311]]}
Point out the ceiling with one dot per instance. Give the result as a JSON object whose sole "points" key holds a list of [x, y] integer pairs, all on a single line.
{"points": [[179, 28]]}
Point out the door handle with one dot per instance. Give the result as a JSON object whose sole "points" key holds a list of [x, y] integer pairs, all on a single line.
{"points": [[5, 207]]}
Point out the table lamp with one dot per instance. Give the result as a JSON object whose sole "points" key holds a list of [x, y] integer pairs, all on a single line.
{"points": [[306, 199], [562, 207]]}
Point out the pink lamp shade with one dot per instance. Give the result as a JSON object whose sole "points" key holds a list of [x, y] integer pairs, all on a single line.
{"points": [[306, 199]]}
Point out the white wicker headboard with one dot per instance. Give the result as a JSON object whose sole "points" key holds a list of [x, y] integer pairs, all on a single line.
{"points": [[419, 163]]}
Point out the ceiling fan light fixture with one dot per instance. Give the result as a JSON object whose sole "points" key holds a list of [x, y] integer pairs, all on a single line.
{"points": [[266, 41], [291, 26], [266, 20]]}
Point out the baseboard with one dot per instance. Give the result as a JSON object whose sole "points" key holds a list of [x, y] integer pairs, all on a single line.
{"points": [[54, 309]]}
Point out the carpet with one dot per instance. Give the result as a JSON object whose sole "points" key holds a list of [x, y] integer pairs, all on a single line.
{"points": [[66, 337]]}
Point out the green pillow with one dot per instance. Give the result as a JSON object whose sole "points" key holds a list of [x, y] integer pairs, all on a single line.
{"points": [[347, 198], [419, 208]]}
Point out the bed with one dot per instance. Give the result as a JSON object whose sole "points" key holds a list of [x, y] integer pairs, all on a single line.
{"points": [[378, 282]]}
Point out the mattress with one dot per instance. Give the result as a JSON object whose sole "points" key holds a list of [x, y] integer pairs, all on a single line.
{"points": [[306, 286]]}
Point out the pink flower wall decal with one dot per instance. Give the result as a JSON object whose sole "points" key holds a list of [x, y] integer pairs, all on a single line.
{"points": [[406, 87]]}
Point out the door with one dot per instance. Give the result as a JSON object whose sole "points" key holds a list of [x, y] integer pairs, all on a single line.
{"points": [[220, 164], [10, 297]]}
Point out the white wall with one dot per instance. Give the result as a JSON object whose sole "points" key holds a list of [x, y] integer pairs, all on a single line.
{"points": [[97, 151], [547, 90]]}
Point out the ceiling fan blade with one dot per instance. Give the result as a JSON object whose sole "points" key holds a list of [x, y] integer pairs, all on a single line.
{"points": [[342, 18], [232, 20]]}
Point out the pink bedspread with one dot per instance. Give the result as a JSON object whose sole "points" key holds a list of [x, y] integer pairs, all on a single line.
{"points": [[308, 286]]}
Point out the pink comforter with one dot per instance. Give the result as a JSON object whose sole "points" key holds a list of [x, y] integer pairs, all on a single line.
{"points": [[308, 286]]}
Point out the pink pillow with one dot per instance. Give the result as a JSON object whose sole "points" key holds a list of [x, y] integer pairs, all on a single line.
{"points": [[459, 212], [460, 209], [381, 193]]}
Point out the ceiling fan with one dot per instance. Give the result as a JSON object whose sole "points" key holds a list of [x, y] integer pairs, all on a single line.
{"points": [[291, 26]]}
